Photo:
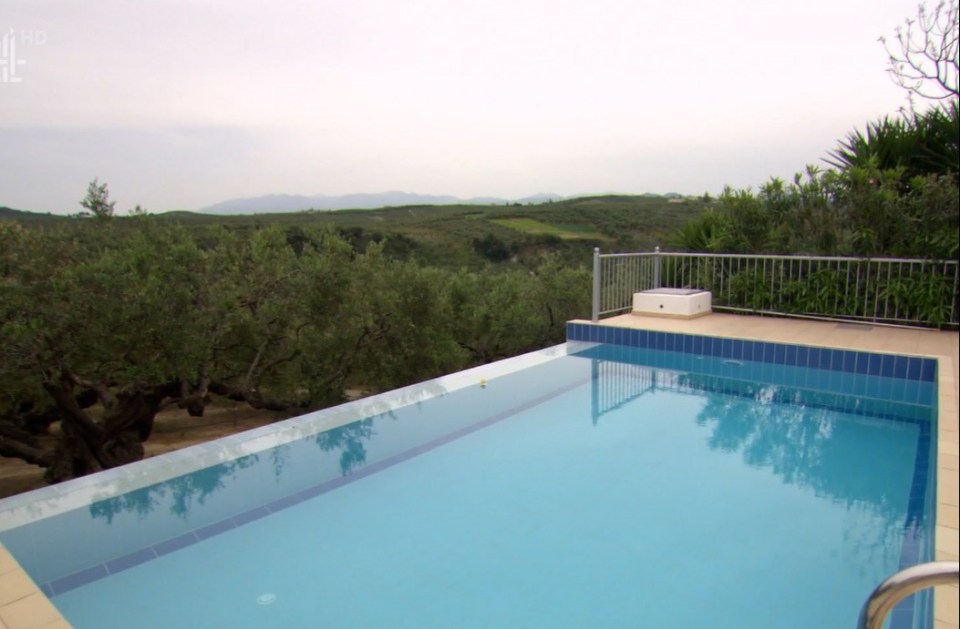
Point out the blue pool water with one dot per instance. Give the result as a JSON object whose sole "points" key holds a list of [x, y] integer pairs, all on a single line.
{"points": [[610, 487]]}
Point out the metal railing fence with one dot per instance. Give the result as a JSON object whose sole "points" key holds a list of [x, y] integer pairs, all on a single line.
{"points": [[895, 291]]}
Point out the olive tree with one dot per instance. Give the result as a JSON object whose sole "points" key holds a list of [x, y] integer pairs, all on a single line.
{"points": [[103, 325], [91, 334]]}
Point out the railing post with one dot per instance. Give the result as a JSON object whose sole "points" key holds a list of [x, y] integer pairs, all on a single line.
{"points": [[954, 315], [595, 313], [656, 267]]}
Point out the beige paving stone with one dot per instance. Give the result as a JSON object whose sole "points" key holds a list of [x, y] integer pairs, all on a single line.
{"points": [[945, 604], [948, 445], [15, 585], [949, 516], [29, 612], [942, 555], [946, 539], [947, 493], [948, 403], [949, 462], [7, 562]]}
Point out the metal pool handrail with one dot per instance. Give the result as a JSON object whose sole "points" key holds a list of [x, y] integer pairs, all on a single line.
{"points": [[903, 584]]}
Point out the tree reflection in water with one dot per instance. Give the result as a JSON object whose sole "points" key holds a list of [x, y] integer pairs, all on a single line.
{"points": [[805, 445], [180, 492], [832, 453], [794, 432], [349, 440], [798, 435]]}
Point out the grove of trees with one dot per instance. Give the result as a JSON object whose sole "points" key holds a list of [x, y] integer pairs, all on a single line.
{"points": [[105, 322]]}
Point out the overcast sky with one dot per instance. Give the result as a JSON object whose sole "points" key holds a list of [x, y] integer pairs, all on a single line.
{"points": [[181, 104]]}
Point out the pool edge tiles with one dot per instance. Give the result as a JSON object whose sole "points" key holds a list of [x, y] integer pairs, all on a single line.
{"points": [[846, 392], [887, 365]]}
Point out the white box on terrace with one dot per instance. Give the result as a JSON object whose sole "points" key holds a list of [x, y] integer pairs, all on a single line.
{"points": [[680, 303]]}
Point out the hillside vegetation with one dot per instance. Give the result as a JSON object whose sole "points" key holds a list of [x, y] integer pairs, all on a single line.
{"points": [[473, 235], [105, 321]]}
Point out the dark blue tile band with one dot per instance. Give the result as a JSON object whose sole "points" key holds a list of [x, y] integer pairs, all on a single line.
{"points": [[181, 541], [914, 540], [133, 559], [914, 368], [77, 579]]}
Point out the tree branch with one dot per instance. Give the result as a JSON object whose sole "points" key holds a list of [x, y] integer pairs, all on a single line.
{"points": [[107, 398], [26, 452], [928, 53], [251, 396], [61, 391]]}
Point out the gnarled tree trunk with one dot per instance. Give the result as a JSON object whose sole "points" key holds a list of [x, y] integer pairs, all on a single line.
{"points": [[87, 445]]}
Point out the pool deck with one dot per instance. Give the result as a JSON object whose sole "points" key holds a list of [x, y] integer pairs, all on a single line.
{"points": [[24, 606]]}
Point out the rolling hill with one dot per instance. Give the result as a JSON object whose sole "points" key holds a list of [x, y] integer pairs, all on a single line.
{"points": [[470, 235]]}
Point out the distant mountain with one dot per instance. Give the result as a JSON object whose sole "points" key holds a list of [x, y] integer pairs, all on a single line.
{"points": [[360, 201], [266, 203]]}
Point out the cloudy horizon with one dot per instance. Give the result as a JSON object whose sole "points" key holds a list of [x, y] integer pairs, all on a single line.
{"points": [[180, 105]]}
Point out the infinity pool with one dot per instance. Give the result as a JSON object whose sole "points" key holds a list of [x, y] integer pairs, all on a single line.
{"points": [[591, 484]]}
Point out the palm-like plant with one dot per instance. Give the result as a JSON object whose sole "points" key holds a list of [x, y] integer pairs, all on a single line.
{"points": [[921, 144], [704, 233]]}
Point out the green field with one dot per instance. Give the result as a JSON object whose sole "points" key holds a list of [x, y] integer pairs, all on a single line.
{"points": [[538, 228]]}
